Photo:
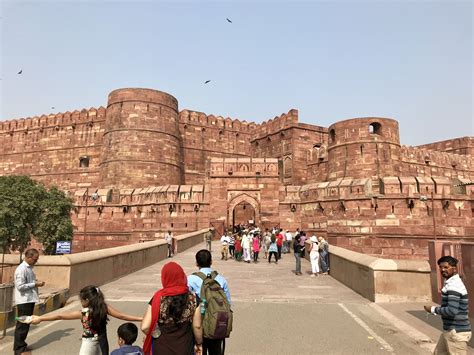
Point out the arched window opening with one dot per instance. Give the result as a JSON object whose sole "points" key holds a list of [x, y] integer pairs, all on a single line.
{"points": [[332, 135], [375, 128], [84, 161]]}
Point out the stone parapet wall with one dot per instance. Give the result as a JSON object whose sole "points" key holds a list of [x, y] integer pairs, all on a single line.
{"points": [[381, 280], [463, 146], [422, 161], [75, 271]]}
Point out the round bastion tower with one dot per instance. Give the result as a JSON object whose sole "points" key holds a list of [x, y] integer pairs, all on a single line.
{"points": [[363, 147], [142, 144]]}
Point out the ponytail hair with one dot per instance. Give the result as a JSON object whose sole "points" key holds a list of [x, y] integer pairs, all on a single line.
{"points": [[97, 305]]}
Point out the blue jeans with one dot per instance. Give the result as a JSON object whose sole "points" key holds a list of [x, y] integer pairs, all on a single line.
{"points": [[324, 257], [298, 262]]}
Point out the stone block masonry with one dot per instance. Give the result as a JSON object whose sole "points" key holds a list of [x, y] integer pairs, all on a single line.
{"points": [[141, 166]]}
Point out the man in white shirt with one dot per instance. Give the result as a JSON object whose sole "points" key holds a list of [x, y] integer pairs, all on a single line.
{"points": [[225, 246], [26, 295], [169, 240], [289, 239]]}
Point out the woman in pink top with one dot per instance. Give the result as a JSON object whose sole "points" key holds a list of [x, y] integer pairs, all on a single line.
{"points": [[255, 247]]}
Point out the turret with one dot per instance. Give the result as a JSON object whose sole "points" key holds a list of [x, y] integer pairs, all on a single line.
{"points": [[142, 144], [364, 147]]}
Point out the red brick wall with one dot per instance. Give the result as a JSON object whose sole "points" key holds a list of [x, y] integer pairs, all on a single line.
{"points": [[48, 148], [142, 143], [155, 168]]}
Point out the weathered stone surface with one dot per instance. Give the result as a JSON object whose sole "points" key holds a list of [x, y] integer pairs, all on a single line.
{"points": [[141, 167]]}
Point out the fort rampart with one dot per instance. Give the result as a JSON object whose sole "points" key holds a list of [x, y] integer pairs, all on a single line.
{"points": [[141, 167]]}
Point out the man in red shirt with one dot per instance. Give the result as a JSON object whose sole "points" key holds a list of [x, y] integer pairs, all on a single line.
{"points": [[279, 240]]}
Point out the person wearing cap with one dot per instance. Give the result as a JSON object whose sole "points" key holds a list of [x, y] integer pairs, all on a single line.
{"points": [[314, 256]]}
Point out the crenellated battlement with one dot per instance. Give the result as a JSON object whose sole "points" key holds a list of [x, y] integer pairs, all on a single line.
{"points": [[216, 122], [58, 120], [412, 187], [278, 123], [461, 145], [151, 195], [427, 157]]}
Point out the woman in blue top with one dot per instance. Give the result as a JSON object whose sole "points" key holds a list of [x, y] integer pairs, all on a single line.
{"points": [[273, 249]]}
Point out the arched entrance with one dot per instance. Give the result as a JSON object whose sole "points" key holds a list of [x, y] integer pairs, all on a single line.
{"points": [[243, 209], [243, 213]]}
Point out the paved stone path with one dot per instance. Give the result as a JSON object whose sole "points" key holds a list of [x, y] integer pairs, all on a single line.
{"points": [[275, 312]]}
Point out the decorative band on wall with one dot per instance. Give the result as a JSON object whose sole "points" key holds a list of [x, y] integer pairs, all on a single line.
{"points": [[145, 102], [141, 161], [142, 130]]}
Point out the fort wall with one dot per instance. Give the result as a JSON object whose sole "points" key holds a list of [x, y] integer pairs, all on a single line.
{"points": [[207, 136], [142, 167], [142, 142], [54, 149], [463, 146]]}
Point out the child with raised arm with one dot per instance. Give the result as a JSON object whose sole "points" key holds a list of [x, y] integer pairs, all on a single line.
{"points": [[94, 318]]}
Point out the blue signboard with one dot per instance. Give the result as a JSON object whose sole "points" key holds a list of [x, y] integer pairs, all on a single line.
{"points": [[63, 247]]}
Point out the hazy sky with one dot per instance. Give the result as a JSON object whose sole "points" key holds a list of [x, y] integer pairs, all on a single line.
{"points": [[331, 60]]}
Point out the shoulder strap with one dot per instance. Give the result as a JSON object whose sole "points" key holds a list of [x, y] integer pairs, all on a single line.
{"points": [[203, 276], [200, 274]]}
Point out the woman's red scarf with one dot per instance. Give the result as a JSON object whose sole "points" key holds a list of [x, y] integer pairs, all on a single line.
{"points": [[174, 283]]}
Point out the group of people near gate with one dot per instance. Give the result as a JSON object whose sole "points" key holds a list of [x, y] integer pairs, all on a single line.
{"points": [[180, 318], [246, 243]]}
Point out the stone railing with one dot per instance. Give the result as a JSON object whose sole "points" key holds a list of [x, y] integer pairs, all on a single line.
{"points": [[98, 267], [380, 280]]}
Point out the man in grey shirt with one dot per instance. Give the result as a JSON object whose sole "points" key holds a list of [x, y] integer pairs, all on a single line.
{"points": [[26, 295]]}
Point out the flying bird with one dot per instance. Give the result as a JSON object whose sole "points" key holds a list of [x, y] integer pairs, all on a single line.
{"points": [[207, 81], [228, 20], [21, 71], [52, 107]]}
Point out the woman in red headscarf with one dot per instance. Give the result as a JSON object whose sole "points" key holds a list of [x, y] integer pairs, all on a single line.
{"points": [[172, 321]]}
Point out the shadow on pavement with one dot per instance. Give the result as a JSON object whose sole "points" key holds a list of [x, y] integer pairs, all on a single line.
{"points": [[52, 337], [436, 322]]}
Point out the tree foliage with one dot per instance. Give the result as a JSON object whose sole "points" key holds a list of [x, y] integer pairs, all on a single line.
{"points": [[27, 208], [54, 223]]}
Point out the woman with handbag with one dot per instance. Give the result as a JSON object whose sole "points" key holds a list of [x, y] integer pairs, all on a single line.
{"points": [[172, 321]]}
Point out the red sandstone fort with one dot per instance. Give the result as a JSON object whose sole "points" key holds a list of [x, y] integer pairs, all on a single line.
{"points": [[141, 167]]}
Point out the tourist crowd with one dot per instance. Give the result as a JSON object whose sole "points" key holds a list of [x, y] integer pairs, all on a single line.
{"points": [[246, 242]]}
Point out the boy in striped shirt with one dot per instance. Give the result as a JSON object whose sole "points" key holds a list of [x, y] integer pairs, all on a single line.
{"points": [[453, 310]]}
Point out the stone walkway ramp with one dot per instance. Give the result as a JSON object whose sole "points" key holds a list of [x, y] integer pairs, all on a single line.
{"points": [[275, 312]]}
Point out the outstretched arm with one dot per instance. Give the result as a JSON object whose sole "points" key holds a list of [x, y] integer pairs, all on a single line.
{"points": [[146, 320], [60, 316], [117, 314]]}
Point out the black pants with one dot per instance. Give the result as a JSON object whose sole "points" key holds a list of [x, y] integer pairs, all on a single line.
{"points": [[279, 251], [212, 347], [255, 256], [270, 256], [170, 250], [21, 329], [232, 250]]}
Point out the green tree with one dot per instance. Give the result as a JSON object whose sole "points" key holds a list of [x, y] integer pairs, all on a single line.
{"points": [[27, 208], [54, 223], [20, 209]]}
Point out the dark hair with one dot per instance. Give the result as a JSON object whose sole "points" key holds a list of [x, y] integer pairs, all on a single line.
{"points": [[128, 332], [203, 258], [448, 259], [272, 238], [29, 253], [177, 306], [97, 305]]}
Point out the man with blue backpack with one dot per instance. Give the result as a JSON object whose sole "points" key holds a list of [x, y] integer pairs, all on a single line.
{"points": [[214, 296]]}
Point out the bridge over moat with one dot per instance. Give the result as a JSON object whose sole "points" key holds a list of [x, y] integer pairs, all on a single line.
{"points": [[276, 312]]}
